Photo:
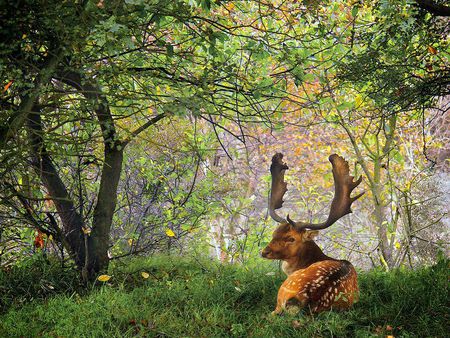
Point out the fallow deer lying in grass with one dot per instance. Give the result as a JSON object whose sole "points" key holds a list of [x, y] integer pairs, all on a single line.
{"points": [[314, 279]]}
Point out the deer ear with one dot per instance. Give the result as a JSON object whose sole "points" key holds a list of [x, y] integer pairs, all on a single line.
{"points": [[310, 235]]}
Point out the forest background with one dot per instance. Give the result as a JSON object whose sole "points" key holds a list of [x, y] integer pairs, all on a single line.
{"points": [[174, 110], [141, 127]]}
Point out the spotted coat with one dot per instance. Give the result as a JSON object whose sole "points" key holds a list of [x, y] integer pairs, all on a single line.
{"points": [[324, 285]]}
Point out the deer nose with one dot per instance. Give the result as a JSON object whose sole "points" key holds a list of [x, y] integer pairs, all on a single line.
{"points": [[265, 252]]}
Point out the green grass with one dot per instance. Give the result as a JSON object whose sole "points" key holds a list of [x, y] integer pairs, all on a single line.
{"points": [[187, 298]]}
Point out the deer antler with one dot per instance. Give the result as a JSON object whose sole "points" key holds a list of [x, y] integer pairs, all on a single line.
{"points": [[343, 187], [279, 186]]}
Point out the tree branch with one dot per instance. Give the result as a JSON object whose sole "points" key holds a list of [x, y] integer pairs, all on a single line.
{"points": [[139, 130]]}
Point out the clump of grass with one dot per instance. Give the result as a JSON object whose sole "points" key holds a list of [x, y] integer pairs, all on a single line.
{"points": [[36, 278], [186, 298]]}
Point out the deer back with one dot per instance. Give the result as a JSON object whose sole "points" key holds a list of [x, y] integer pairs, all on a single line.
{"points": [[324, 285]]}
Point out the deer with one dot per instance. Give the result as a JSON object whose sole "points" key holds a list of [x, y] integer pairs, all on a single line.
{"points": [[313, 278]]}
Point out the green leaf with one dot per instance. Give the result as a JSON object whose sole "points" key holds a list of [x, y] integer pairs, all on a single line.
{"points": [[345, 106], [169, 48]]}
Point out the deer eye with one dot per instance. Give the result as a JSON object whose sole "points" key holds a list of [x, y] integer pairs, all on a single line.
{"points": [[290, 239]]}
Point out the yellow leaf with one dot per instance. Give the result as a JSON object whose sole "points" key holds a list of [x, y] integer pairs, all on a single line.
{"points": [[397, 245], [130, 242], [145, 275], [86, 231], [229, 6], [358, 100], [104, 278], [50, 238], [170, 233]]}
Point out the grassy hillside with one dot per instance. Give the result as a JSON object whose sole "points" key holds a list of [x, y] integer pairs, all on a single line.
{"points": [[188, 298]]}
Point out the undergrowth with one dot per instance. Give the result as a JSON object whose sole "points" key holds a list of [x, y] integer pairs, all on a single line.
{"points": [[192, 298]]}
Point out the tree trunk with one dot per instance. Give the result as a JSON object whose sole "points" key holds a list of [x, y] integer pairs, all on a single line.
{"points": [[98, 241], [91, 255], [72, 235], [103, 214], [379, 217], [89, 251]]}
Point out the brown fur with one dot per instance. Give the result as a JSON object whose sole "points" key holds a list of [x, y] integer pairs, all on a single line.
{"points": [[297, 249], [314, 279]]}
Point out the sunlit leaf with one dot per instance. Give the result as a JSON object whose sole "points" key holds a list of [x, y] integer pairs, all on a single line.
{"points": [[145, 275]]}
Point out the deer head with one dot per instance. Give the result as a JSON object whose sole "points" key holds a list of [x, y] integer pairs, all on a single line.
{"points": [[295, 239]]}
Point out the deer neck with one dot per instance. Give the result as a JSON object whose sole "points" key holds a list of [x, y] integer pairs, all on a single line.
{"points": [[308, 254]]}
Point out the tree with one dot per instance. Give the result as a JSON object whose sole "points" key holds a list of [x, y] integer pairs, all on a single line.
{"points": [[85, 79]]}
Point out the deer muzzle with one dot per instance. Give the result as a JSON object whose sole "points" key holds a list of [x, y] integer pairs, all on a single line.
{"points": [[266, 252]]}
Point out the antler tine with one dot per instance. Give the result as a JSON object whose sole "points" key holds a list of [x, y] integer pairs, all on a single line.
{"points": [[279, 186], [342, 202]]}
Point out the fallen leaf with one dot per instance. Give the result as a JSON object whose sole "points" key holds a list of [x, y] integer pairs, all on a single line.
{"points": [[170, 233], [104, 278], [144, 275], [296, 324]]}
